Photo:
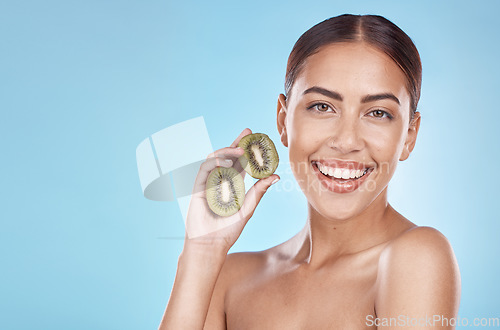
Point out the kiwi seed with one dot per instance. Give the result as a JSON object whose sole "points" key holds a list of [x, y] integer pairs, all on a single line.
{"points": [[260, 159], [225, 191]]}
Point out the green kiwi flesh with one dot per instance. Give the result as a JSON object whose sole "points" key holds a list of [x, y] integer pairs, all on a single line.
{"points": [[225, 191], [260, 159]]}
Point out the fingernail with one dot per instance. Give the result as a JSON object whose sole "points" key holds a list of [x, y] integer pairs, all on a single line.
{"points": [[228, 161], [239, 148], [275, 180]]}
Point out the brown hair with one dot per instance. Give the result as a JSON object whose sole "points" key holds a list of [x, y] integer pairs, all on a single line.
{"points": [[373, 29]]}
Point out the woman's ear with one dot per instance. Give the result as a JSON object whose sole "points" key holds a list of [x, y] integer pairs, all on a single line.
{"points": [[411, 138], [281, 119]]}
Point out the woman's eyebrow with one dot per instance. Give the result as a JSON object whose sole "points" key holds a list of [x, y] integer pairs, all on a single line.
{"points": [[325, 92], [337, 96], [382, 96]]}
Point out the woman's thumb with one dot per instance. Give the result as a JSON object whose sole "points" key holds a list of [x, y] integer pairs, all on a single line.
{"points": [[255, 194]]}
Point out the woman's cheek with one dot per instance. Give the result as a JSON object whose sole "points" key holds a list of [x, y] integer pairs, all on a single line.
{"points": [[300, 130], [386, 149], [301, 147]]}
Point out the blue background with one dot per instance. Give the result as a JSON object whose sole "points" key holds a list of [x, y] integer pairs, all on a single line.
{"points": [[84, 82]]}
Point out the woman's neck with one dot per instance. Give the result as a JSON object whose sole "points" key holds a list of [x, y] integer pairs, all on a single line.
{"points": [[323, 240]]}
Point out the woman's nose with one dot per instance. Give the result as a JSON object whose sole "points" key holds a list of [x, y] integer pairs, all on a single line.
{"points": [[345, 135]]}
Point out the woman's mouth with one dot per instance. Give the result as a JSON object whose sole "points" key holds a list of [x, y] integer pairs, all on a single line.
{"points": [[340, 176]]}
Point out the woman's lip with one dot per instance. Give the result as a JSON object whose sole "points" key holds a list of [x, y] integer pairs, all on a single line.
{"points": [[339, 185], [337, 163]]}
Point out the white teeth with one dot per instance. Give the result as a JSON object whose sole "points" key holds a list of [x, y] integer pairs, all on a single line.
{"points": [[340, 173], [323, 169], [337, 173]]}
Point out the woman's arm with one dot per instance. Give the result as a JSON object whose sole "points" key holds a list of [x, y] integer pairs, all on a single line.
{"points": [[418, 283], [197, 273], [208, 239]]}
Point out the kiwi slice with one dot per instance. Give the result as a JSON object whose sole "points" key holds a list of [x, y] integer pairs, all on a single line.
{"points": [[260, 159], [225, 191]]}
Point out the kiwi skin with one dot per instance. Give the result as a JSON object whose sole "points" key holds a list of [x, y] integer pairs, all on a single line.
{"points": [[248, 162], [229, 180]]}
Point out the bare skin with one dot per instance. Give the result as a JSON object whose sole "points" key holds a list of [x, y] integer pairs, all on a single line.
{"points": [[356, 257], [279, 289]]}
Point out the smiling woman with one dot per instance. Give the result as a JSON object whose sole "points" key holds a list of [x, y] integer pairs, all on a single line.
{"points": [[348, 117]]}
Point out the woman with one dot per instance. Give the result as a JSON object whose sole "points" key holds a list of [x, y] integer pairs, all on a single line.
{"points": [[349, 115]]}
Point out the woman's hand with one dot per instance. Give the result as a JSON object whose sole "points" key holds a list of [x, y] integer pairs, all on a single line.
{"points": [[208, 239], [204, 228]]}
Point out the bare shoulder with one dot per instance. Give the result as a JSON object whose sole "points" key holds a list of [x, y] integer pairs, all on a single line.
{"points": [[425, 241], [422, 249], [418, 272], [239, 265]]}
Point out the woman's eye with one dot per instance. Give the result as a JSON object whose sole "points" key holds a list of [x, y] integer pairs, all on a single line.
{"points": [[321, 107], [380, 114]]}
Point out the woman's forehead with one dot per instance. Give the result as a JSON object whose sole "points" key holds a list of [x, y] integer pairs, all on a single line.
{"points": [[352, 69]]}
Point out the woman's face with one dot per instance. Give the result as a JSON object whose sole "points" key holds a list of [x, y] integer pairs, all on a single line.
{"points": [[347, 114]]}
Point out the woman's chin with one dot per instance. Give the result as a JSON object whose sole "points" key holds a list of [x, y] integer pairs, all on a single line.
{"points": [[338, 212]]}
